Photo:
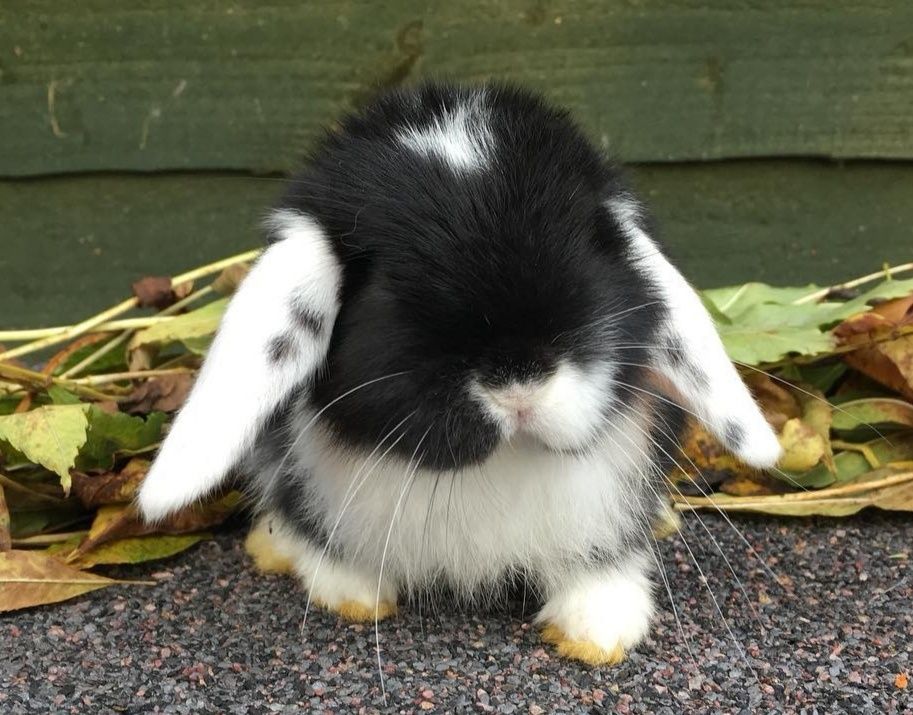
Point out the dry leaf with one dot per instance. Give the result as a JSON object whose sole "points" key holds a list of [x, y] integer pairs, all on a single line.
{"points": [[777, 402], [157, 291], [122, 521], [134, 550], [95, 490], [900, 681], [5, 543], [890, 363], [153, 292], [228, 280], [164, 394], [31, 578]]}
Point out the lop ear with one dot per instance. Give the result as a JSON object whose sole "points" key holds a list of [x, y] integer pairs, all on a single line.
{"points": [[273, 338], [690, 354]]}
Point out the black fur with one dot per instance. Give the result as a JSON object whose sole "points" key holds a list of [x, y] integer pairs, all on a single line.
{"points": [[495, 274]]}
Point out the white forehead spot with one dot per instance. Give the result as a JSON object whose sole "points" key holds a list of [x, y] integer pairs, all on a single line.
{"points": [[460, 137]]}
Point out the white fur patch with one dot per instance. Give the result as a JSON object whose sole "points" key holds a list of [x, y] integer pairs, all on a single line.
{"points": [[239, 385], [328, 581], [606, 608], [565, 411], [525, 507], [460, 137], [719, 398]]}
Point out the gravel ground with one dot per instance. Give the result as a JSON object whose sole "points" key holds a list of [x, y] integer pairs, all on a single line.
{"points": [[213, 636]]}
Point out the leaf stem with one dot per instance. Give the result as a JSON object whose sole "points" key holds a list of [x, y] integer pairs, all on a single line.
{"points": [[828, 493], [78, 329], [885, 272], [24, 376], [166, 314], [131, 375], [47, 539]]}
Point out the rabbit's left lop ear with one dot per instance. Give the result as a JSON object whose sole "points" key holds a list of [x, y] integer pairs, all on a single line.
{"points": [[273, 339], [690, 354]]}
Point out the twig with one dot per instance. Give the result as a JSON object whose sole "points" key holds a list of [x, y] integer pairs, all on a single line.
{"points": [[74, 331], [132, 375], [47, 539], [127, 334], [885, 272], [29, 377], [110, 327], [822, 494]]}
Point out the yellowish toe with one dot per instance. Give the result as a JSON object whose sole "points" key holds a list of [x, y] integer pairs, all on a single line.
{"points": [[259, 545], [357, 612], [584, 651]]}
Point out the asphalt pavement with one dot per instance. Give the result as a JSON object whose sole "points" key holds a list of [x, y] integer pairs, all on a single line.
{"points": [[214, 636]]}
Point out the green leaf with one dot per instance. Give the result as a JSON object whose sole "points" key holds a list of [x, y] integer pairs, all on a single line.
{"points": [[114, 433], [883, 291], [50, 436], [132, 550], [765, 335], [822, 377], [61, 396], [873, 412], [29, 522], [732, 301], [763, 324], [193, 329], [850, 464]]}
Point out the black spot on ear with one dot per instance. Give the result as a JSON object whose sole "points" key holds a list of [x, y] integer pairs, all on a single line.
{"points": [[306, 319], [734, 435], [280, 348]]}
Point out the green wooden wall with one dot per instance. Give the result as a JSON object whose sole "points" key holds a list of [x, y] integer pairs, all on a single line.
{"points": [[774, 139]]}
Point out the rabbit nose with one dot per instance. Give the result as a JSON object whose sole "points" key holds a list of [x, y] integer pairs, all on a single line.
{"points": [[517, 400]]}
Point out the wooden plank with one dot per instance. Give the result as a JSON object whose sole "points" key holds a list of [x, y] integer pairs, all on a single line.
{"points": [[777, 221], [169, 84]]}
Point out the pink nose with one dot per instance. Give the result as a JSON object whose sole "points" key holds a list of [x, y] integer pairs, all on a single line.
{"points": [[518, 403]]}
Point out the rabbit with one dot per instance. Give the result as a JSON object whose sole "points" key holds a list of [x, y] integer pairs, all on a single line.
{"points": [[462, 357]]}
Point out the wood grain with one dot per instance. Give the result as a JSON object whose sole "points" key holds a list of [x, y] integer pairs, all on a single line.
{"points": [[73, 245], [168, 84]]}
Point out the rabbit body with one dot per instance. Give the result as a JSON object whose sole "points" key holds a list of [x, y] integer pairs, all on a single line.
{"points": [[464, 354]]}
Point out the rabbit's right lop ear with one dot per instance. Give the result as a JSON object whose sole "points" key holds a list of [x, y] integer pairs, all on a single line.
{"points": [[273, 338], [693, 357]]}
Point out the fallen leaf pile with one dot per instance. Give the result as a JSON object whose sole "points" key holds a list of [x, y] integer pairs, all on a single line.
{"points": [[831, 368]]}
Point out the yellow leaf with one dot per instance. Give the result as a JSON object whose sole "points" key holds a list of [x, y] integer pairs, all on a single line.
{"points": [[137, 549], [32, 578], [50, 436]]}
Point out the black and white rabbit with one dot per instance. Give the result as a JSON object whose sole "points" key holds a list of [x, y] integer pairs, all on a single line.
{"points": [[454, 363]]}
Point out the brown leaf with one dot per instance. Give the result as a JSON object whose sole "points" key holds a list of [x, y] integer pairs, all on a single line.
{"points": [[706, 455], [154, 292], [777, 402], [890, 363], [31, 578], [120, 521], [159, 394], [157, 291], [751, 485], [228, 280], [5, 542], [95, 490], [884, 317]]}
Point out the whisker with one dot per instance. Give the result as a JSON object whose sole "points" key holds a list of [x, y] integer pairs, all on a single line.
{"points": [[380, 576], [775, 577], [348, 498]]}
